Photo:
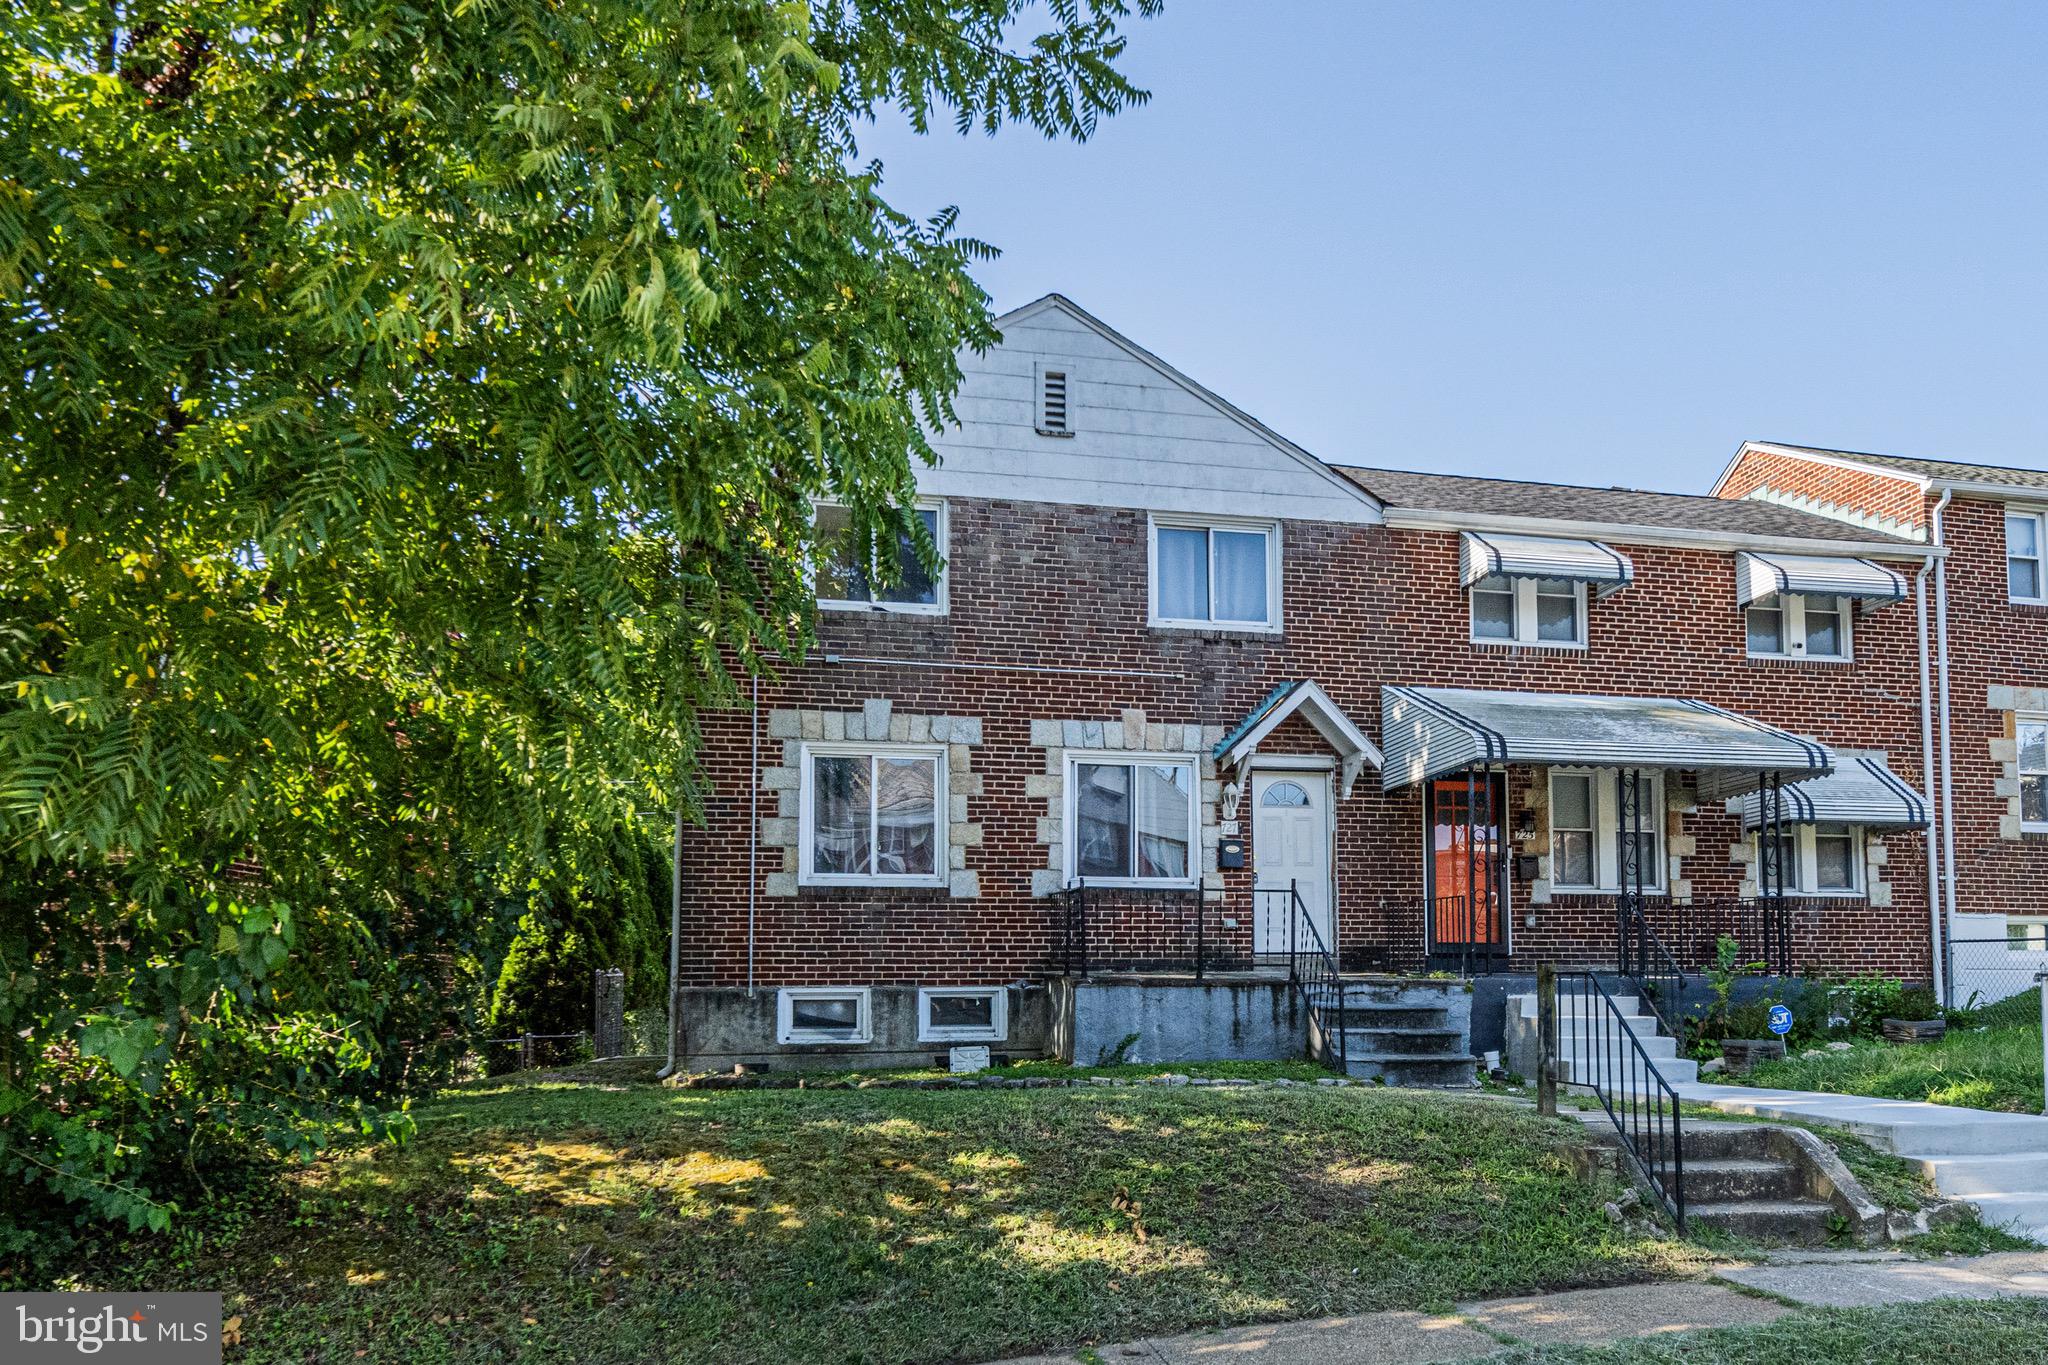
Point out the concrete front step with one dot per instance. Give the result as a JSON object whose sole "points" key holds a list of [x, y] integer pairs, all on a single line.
{"points": [[1427, 1070], [1773, 1220], [1739, 1179], [1374, 1040], [1571, 1043], [1969, 1176], [1357, 1015], [1675, 1071]]}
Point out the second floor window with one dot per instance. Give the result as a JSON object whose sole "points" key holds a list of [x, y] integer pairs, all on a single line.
{"points": [[2026, 542], [1529, 611], [846, 581], [1791, 626], [1216, 574]]}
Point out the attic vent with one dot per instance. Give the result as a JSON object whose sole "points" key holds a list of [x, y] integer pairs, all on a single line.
{"points": [[1052, 402]]}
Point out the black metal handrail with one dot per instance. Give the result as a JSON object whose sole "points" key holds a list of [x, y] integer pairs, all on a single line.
{"points": [[1606, 1057], [1140, 928], [1312, 972], [1642, 957]]}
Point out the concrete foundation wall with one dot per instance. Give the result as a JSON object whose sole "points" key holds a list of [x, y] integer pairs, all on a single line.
{"points": [[1186, 1021], [724, 1026]]}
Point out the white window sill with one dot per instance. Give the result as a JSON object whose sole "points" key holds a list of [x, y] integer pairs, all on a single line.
{"points": [[1801, 658], [1129, 884], [824, 1040], [886, 608], [1496, 642], [875, 883], [1215, 627]]}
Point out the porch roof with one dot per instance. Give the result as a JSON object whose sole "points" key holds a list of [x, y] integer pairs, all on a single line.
{"points": [[1759, 575], [1578, 561], [1354, 750], [1430, 731], [1860, 791]]}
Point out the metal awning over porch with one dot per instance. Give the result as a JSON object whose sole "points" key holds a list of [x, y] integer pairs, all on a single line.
{"points": [[1576, 561], [1758, 576], [1429, 732], [1860, 791]]}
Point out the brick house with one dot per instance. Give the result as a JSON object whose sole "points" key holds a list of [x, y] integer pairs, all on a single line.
{"points": [[1991, 651], [1186, 700]]}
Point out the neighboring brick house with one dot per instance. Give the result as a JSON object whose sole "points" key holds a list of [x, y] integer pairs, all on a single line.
{"points": [[1991, 643], [1155, 666]]}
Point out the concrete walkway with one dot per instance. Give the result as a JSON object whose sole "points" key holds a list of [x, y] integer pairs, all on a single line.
{"points": [[1591, 1317], [1999, 1162]]}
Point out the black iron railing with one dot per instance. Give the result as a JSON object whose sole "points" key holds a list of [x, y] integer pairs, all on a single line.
{"points": [[1643, 959], [1602, 1054], [1312, 973], [1760, 925], [1144, 929]]}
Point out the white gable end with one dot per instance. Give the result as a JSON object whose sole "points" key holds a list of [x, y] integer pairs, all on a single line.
{"points": [[1138, 434]]}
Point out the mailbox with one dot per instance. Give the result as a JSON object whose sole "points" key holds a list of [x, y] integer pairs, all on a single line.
{"points": [[1229, 854]]}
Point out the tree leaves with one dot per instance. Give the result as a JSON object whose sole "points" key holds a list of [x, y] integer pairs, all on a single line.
{"points": [[416, 425]]}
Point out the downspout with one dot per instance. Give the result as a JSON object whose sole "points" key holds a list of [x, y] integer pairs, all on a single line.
{"points": [[675, 941], [753, 825], [1935, 938], [1948, 795]]}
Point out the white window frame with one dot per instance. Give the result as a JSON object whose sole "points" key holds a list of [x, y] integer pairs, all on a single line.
{"points": [[999, 1015], [1242, 526], [1070, 814], [1792, 609], [1805, 878], [1525, 616], [2034, 941], [2040, 520], [1607, 830], [2020, 774], [941, 599], [807, 792], [785, 1028]]}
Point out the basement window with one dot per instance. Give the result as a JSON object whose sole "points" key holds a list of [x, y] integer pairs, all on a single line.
{"points": [[823, 1014], [963, 1014]]}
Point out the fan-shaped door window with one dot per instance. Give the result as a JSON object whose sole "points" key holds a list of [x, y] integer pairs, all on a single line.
{"points": [[1283, 794]]}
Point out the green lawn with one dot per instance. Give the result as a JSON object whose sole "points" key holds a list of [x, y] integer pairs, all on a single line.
{"points": [[582, 1224], [1981, 1068], [2008, 1332]]}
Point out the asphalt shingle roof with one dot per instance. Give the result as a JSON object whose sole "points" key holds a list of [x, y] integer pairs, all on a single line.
{"points": [[1959, 471], [1625, 506]]}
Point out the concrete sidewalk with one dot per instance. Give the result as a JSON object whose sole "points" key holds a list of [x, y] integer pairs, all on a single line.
{"points": [[1591, 1317]]}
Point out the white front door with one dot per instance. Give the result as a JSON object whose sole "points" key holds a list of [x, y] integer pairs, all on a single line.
{"points": [[1290, 844]]}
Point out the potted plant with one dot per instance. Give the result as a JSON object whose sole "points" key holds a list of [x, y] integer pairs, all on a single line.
{"points": [[1917, 1018]]}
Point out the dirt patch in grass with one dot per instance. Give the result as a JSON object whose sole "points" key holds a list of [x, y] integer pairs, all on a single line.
{"points": [[581, 1224]]}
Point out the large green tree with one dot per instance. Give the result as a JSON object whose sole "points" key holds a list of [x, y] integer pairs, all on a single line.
{"points": [[412, 419]]}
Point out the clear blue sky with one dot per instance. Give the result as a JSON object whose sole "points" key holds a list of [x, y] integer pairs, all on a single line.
{"points": [[1592, 242]]}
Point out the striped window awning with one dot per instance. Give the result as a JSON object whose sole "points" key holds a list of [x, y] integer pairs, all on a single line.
{"points": [[1759, 575], [1430, 732], [1580, 561], [1860, 791]]}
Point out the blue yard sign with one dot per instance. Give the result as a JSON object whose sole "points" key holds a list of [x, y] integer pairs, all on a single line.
{"points": [[1781, 1020]]}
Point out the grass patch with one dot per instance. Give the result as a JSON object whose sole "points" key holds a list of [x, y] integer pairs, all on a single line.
{"points": [[1981, 1068], [560, 1223], [2009, 1331], [1134, 1071]]}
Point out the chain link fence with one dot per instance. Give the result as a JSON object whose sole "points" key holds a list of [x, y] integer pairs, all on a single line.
{"points": [[1998, 975]]}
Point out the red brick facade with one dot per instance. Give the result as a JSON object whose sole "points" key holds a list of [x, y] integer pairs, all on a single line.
{"points": [[1048, 623], [1829, 488], [1997, 651]]}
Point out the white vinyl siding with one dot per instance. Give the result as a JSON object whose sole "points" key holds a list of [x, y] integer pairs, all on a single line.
{"points": [[1219, 574], [963, 1014], [1793, 626], [1131, 820], [1585, 830], [1529, 611], [872, 815], [2026, 556]]}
